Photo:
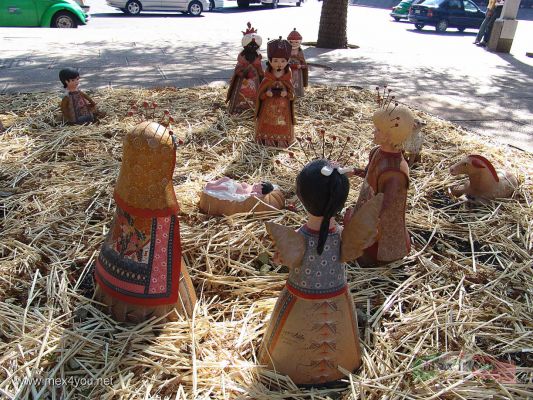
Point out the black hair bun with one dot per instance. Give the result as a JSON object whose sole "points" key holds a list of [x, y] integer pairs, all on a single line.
{"points": [[266, 187]]}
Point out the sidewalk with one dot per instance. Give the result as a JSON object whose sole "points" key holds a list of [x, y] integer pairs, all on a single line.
{"points": [[489, 94]]}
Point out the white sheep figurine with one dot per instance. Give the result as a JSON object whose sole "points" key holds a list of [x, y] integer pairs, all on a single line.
{"points": [[484, 181]]}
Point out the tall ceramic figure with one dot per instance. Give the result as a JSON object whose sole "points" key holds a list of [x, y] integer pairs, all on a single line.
{"points": [[274, 111], [140, 272], [242, 93], [300, 72], [387, 172], [313, 328]]}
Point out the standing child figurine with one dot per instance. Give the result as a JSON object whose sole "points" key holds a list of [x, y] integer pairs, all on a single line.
{"points": [[313, 328], [274, 111], [140, 272], [387, 172], [76, 106], [300, 72], [242, 93]]}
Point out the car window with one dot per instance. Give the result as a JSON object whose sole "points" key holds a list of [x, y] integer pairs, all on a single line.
{"points": [[470, 7], [431, 2], [454, 5]]}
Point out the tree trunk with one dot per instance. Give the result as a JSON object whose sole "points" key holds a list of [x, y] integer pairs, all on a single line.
{"points": [[333, 21]]}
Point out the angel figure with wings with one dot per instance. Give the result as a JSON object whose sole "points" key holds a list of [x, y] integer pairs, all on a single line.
{"points": [[313, 328]]}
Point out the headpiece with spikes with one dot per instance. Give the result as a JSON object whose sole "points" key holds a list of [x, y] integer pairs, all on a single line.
{"points": [[250, 35], [249, 29], [391, 118], [148, 112]]}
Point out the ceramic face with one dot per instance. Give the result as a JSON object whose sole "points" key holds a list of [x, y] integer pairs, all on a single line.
{"points": [[278, 64], [380, 137], [72, 84], [295, 44]]}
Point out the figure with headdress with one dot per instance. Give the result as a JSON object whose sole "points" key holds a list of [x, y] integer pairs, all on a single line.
{"points": [[76, 106], [274, 111], [313, 328], [300, 72], [140, 272], [387, 172], [248, 73]]}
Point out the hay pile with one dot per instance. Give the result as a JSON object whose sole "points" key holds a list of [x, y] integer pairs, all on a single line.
{"points": [[466, 287]]}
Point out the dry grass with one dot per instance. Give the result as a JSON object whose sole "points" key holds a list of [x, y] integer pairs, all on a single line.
{"points": [[466, 287]]}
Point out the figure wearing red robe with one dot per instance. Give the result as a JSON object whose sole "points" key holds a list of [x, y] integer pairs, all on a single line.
{"points": [[274, 110], [248, 73], [300, 72]]}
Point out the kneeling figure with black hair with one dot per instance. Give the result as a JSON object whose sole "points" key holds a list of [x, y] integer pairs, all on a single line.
{"points": [[76, 106], [313, 328]]}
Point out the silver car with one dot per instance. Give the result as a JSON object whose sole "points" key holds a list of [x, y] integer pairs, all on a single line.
{"points": [[134, 7]]}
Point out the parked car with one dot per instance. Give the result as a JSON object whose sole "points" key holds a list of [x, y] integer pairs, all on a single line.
{"points": [[444, 14], [269, 3], [134, 7], [45, 13], [402, 9]]}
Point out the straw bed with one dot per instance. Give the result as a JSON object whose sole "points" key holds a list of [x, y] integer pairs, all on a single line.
{"points": [[466, 287]]}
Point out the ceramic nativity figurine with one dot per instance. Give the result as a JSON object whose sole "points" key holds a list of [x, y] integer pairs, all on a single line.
{"points": [[274, 112], [300, 72], [313, 328], [485, 182], [76, 106], [140, 271], [387, 172], [226, 196], [248, 73]]}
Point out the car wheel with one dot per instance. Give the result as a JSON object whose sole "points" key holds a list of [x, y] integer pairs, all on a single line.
{"points": [[195, 8], [64, 19], [396, 19], [461, 29], [441, 26], [298, 4], [243, 3], [419, 26], [133, 7]]}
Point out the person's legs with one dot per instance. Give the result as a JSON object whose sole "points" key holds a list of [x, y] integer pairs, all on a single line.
{"points": [[488, 30], [482, 29]]}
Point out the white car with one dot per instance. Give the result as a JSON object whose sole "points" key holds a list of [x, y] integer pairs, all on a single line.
{"points": [[269, 3], [134, 7]]}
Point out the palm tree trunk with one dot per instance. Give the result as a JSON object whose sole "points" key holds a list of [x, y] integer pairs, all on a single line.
{"points": [[333, 21]]}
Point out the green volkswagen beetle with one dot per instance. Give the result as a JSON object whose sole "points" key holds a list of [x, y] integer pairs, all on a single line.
{"points": [[402, 9], [46, 13]]}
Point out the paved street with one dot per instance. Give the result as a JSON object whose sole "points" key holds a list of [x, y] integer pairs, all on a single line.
{"points": [[444, 74]]}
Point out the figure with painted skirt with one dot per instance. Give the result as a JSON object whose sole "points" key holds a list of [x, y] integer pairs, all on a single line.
{"points": [[140, 272], [299, 69], [313, 328], [274, 111], [248, 73]]}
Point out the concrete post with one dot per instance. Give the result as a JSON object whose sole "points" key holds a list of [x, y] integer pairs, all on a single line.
{"points": [[504, 28]]}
